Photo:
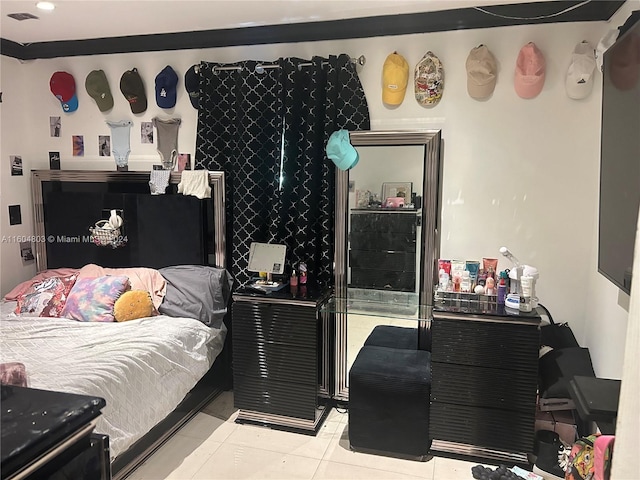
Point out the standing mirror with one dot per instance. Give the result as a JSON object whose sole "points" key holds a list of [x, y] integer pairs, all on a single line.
{"points": [[387, 239]]}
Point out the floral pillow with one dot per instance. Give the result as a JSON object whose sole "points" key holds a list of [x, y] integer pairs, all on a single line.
{"points": [[46, 298], [92, 299]]}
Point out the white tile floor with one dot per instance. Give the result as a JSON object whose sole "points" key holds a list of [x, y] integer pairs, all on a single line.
{"points": [[213, 446]]}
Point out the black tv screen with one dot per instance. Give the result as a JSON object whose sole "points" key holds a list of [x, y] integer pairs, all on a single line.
{"points": [[620, 156]]}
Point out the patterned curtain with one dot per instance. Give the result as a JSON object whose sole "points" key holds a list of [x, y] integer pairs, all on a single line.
{"points": [[267, 131]]}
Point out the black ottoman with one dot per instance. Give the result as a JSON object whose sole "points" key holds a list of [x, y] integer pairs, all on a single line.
{"points": [[389, 401], [393, 337]]}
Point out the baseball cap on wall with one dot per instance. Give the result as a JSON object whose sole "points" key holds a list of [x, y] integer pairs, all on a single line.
{"points": [[482, 73], [192, 85], [63, 86], [340, 150], [530, 71], [166, 87], [97, 87], [579, 80], [132, 88], [395, 77], [429, 80]]}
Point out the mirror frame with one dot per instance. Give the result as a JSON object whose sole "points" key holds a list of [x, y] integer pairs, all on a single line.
{"points": [[429, 247]]}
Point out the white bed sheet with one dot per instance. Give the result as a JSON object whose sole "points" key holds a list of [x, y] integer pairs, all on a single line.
{"points": [[142, 368]]}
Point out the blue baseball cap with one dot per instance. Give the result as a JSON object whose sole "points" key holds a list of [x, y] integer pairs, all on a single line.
{"points": [[340, 150], [166, 85]]}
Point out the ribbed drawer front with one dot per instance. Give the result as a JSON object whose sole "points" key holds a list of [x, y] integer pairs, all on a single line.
{"points": [[383, 280], [494, 345], [400, 242], [484, 387], [276, 361], [255, 323], [496, 429], [276, 397], [384, 222], [392, 261]]}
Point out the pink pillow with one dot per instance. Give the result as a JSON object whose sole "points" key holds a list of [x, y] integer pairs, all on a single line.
{"points": [[46, 298], [140, 278], [92, 299], [24, 286]]}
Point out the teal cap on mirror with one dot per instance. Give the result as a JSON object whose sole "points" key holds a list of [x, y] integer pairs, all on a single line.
{"points": [[340, 150]]}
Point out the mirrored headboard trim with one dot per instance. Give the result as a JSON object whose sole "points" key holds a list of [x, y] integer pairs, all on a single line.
{"points": [[216, 181], [430, 243]]}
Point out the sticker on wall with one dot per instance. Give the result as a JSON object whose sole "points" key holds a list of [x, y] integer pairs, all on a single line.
{"points": [[55, 125], [146, 132], [16, 165], [26, 252], [15, 216], [104, 145], [78, 146], [184, 161], [54, 160]]}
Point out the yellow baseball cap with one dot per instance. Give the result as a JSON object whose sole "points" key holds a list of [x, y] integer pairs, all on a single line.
{"points": [[395, 76]]}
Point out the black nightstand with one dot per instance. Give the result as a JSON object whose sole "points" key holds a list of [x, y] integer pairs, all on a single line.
{"points": [[279, 358]]}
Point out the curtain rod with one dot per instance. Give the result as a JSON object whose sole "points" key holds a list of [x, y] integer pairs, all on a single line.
{"points": [[260, 68]]}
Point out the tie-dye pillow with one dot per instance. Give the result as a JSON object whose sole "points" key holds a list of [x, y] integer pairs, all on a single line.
{"points": [[45, 298], [92, 299]]}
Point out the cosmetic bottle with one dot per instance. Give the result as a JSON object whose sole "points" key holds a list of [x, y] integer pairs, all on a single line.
{"points": [[293, 280], [502, 288], [525, 298], [302, 271], [443, 280], [465, 283]]}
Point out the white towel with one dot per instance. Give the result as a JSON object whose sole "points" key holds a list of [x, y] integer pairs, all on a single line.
{"points": [[196, 183]]}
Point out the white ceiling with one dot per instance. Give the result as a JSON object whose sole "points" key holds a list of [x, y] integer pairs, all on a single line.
{"points": [[83, 19]]}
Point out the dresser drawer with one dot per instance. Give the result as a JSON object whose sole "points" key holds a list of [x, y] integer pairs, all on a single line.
{"points": [[256, 323], [499, 345], [384, 222], [484, 387], [268, 395], [485, 427], [276, 361], [383, 280], [388, 261], [400, 242]]}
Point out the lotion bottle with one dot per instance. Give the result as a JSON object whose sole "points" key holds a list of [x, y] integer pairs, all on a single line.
{"points": [[502, 288]]}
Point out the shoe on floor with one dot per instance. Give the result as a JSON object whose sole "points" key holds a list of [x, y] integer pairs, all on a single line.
{"points": [[550, 456]]}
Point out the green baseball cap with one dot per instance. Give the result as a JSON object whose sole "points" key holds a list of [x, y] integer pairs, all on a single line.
{"points": [[98, 88]]}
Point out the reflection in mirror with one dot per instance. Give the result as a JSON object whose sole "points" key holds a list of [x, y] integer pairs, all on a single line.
{"points": [[383, 232], [387, 243]]}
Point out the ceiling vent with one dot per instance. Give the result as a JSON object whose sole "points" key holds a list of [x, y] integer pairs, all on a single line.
{"points": [[22, 16]]}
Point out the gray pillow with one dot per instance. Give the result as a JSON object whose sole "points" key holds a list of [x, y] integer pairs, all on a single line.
{"points": [[197, 291]]}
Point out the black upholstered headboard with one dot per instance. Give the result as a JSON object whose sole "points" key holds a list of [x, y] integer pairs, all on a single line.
{"points": [[161, 230]]}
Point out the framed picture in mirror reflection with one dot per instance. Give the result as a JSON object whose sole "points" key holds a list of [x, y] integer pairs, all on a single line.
{"points": [[397, 189]]}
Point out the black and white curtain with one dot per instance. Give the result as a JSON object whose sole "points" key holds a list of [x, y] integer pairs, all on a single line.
{"points": [[266, 127]]}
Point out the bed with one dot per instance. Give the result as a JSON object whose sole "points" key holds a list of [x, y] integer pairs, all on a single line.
{"points": [[154, 372]]}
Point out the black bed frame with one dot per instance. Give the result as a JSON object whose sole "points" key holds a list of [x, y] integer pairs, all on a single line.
{"points": [[121, 190]]}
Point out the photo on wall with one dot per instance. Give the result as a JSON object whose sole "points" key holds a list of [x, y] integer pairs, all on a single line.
{"points": [[55, 125], [104, 145], [26, 251], [54, 160], [184, 161], [15, 215], [146, 132], [78, 146], [16, 165]]}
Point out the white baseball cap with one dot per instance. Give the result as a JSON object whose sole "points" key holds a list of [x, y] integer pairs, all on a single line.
{"points": [[579, 79]]}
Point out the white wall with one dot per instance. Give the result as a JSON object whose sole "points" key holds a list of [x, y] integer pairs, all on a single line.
{"points": [[521, 173]]}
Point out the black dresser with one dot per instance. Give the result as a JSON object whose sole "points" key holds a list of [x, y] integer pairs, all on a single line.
{"points": [[50, 435], [382, 253], [484, 382], [280, 358]]}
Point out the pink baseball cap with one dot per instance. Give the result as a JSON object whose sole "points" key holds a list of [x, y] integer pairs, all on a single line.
{"points": [[530, 71]]}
